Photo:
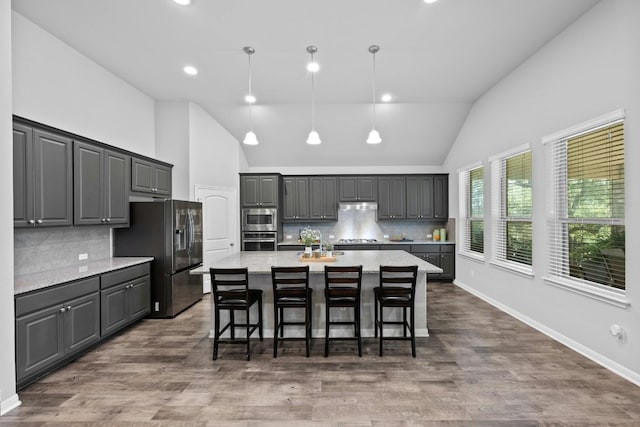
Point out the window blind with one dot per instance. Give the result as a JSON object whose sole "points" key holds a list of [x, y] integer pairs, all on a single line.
{"points": [[513, 205], [474, 210], [587, 231]]}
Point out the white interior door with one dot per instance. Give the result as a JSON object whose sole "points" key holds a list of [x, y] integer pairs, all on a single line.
{"points": [[220, 232]]}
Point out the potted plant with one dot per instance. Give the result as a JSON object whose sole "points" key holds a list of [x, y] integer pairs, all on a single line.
{"points": [[329, 250]]}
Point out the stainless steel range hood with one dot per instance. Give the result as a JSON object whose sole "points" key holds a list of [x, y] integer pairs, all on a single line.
{"points": [[362, 206]]}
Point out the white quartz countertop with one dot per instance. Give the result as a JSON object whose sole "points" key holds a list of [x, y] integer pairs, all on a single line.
{"points": [[379, 242], [261, 262], [34, 281]]}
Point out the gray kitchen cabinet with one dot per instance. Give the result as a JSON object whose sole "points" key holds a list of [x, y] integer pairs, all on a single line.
{"points": [[54, 324], [101, 185], [419, 197], [295, 198], [391, 197], [42, 175], [356, 247], [150, 177], [259, 191], [441, 196], [124, 297], [358, 188], [323, 200], [441, 255]]}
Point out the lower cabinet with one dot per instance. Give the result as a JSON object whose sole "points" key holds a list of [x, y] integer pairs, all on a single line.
{"points": [[124, 303], [442, 255], [55, 324]]}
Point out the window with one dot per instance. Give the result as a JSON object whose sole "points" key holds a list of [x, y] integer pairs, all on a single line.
{"points": [[473, 211], [512, 206], [587, 230]]}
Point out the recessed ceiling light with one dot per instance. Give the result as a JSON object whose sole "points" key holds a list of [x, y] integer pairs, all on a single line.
{"points": [[190, 70], [313, 67], [386, 97], [250, 99], [430, 1], [182, 2]]}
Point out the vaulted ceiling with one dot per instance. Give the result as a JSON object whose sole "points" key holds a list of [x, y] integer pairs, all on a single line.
{"points": [[434, 59]]}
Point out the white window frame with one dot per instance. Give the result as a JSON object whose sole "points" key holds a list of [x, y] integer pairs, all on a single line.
{"points": [[498, 213], [464, 228], [613, 296]]}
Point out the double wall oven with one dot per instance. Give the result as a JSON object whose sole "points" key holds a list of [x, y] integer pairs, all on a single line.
{"points": [[259, 229]]}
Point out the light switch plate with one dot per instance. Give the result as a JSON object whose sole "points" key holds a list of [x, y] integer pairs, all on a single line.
{"points": [[82, 257]]}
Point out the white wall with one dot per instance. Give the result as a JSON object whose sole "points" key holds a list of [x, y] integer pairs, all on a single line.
{"points": [[590, 69], [172, 143], [8, 397], [312, 170], [55, 85], [216, 157]]}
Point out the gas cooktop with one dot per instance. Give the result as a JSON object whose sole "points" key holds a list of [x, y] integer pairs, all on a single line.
{"points": [[358, 241]]}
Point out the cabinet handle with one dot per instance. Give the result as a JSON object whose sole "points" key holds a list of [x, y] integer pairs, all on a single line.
{"points": [[103, 220], [31, 221], [39, 221], [62, 310], [108, 219], [68, 308]]}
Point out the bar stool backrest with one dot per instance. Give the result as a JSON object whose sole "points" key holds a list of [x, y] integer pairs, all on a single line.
{"points": [[399, 280], [229, 284], [290, 281], [342, 279]]}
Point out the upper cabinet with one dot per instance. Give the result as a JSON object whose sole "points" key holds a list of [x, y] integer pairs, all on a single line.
{"points": [[101, 185], [150, 177], [391, 197], [259, 191], [441, 196], [42, 178], [358, 188], [323, 198], [295, 197], [427, 196]]}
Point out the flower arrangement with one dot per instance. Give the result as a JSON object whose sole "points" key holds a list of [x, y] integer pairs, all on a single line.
{"points": [[309, 236]]}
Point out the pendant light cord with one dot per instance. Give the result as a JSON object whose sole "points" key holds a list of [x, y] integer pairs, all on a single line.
{"points": [[313, 102], [250, 95], [374, 90]]}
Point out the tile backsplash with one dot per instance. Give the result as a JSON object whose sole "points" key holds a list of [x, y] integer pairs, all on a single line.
{"points": [[362, 224], [41, 249]]}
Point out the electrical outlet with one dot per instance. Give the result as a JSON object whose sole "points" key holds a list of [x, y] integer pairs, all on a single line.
{"points": [[83, 269], [82, 257], [156, 306], [331, 236], [429, 236], [386, 236], [287, 237]]}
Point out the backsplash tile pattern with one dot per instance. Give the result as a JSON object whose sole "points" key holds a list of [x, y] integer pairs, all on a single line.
{"points": [[41, 249], [362, 224]]}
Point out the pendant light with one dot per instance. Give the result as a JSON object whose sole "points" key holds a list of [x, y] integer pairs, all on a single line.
{"points": [[250, 138], [374, 136], [313, 138]]}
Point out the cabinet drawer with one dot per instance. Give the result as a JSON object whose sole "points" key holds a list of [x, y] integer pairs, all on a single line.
{"points": [[55, 295], [120, 276], [447, 248], [394, 248], [425, 248]]}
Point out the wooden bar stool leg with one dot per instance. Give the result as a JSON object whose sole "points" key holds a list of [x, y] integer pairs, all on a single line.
{"points": [[358, 330], [216, 337], [375, 321], [381, 327], [404, 321], [326, 330], [307, 312], [413, 333], [276, 326], [233, 324], [248, 356]]}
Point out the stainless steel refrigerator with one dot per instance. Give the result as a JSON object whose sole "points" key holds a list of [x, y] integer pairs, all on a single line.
{"points": [[171, 232]]}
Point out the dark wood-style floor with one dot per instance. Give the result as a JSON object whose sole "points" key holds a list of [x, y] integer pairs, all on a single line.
{"points": [[479, 367]]}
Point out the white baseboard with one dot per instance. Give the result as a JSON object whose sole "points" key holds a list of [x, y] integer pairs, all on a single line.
{"points": [[9, 404], [604, 361]]}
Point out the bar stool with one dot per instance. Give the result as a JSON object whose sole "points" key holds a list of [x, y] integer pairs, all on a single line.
{"points": [[342, 287], [230, 291], [290, 290], [397, 290]]}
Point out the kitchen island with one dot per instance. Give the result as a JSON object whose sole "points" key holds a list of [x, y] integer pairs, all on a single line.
{"points": [[259, 265]]}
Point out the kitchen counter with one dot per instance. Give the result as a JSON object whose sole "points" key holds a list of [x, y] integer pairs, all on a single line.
{"points": [[34, 281], [379, 242], [259, 265]]}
